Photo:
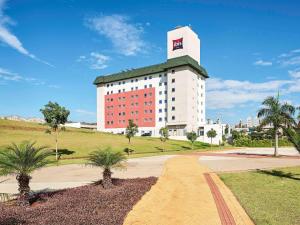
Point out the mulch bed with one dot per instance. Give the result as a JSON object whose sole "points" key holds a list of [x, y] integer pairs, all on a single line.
{"points": [[89, 204]]}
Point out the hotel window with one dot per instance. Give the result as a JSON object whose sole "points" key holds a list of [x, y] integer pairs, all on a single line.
{"points": [[165, 74], [136, 80], [136, 103], [165, 109], [150, 94], [173, 89], [150, 119], [146, 111], [131, 81], [160, 92], [160, 101], [145, 78], [145, 119], [150, 111], [123, 113], [119, 83], [173, 71], [159, 75], [145, 86], [165, 118], [107, 85], [107, 122], [136, 88], [173, 99], [132, 104], [119, 91], [107, 93], [123, 82], [166, 101], [150, 85], [123, 90], [160, 110], [173, 108], [173, 80], [150, 77], [120, 114], [150, 103], [111, 85], [136, 96], [132, 96], [136, 112], [145, 95], [165, 83], [124, 105], [160, 119], [160, 84], [173, 117], [132, 88], [124, 98], [111, 92], [165, 92]]}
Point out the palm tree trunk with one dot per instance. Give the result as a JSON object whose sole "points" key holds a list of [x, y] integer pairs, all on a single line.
{"points": [[56, 144], [24, 189], [106, 181], [276, 144]]}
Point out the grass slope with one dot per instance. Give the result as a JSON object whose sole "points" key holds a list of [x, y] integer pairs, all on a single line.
{"points": [[75, 143], [270, 197]]}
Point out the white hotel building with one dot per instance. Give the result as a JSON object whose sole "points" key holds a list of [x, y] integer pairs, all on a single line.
{"points": [[169, 94]]}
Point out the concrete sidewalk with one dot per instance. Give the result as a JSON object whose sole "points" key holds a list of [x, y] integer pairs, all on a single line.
{"points": [[74, 175]]}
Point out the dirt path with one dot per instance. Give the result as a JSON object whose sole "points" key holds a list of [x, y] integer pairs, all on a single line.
{"points": [[188, 193], [181, 196]]}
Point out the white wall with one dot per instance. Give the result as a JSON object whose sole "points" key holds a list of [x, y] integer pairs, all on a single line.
{"points": [[191, 43]]}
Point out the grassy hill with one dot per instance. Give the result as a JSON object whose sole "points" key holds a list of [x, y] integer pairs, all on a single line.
{"points": [[77, 143]]}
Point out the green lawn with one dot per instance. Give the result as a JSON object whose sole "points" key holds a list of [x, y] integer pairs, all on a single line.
{"points": [[270, 197], [75, 143]]}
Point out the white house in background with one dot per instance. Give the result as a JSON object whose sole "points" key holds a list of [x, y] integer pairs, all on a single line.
{"points": [[170, 94]]}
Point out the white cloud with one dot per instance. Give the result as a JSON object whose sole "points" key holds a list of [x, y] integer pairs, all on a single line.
{"points": [[85, 112], [224, 94], [8, 76], [95, 60], [125, 36], [295, 73], [292, 61], [263, 63], [7, 37]]}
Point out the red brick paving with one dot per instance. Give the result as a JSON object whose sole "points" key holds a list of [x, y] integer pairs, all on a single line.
{"points": [[223, 210]]}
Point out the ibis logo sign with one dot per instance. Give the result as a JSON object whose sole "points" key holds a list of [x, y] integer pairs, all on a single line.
{"points": [[178, 44]]}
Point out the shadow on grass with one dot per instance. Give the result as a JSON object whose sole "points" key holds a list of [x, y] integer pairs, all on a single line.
{"points": [[280, 174], [63, 152]]}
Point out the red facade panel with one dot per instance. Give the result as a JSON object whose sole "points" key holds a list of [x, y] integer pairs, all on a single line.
{"points": [[138, 105]]}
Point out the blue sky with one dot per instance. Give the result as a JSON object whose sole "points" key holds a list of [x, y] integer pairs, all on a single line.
{"points": [[53, 50]]}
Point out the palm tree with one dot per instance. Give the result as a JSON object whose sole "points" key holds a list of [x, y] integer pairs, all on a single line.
{"points": [[278, 114], [107, 159], [22, 159]]}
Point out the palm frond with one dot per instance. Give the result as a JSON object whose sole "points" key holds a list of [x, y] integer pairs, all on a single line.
{"points": [[23, 158], [107, 159]]}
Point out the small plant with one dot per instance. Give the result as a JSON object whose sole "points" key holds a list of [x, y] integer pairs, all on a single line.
{"points": [[131, 130], [211, 134], [107, 159], [192, 137], [55, 115], [128, 151], [164, 136], [22, 159]]}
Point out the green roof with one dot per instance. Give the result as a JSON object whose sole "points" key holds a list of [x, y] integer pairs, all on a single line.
{"points": [[170, 63]]}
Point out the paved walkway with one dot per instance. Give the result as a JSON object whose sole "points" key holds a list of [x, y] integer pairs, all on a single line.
{"points": [[74, 175], [186, 193]]}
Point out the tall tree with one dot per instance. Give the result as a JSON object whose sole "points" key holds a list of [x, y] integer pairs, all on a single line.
{"points": [[211, 134], [279, 115], [107, 159], [22, 159], [55, 115], [192, 137], [164, 135], [131, 130]]}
